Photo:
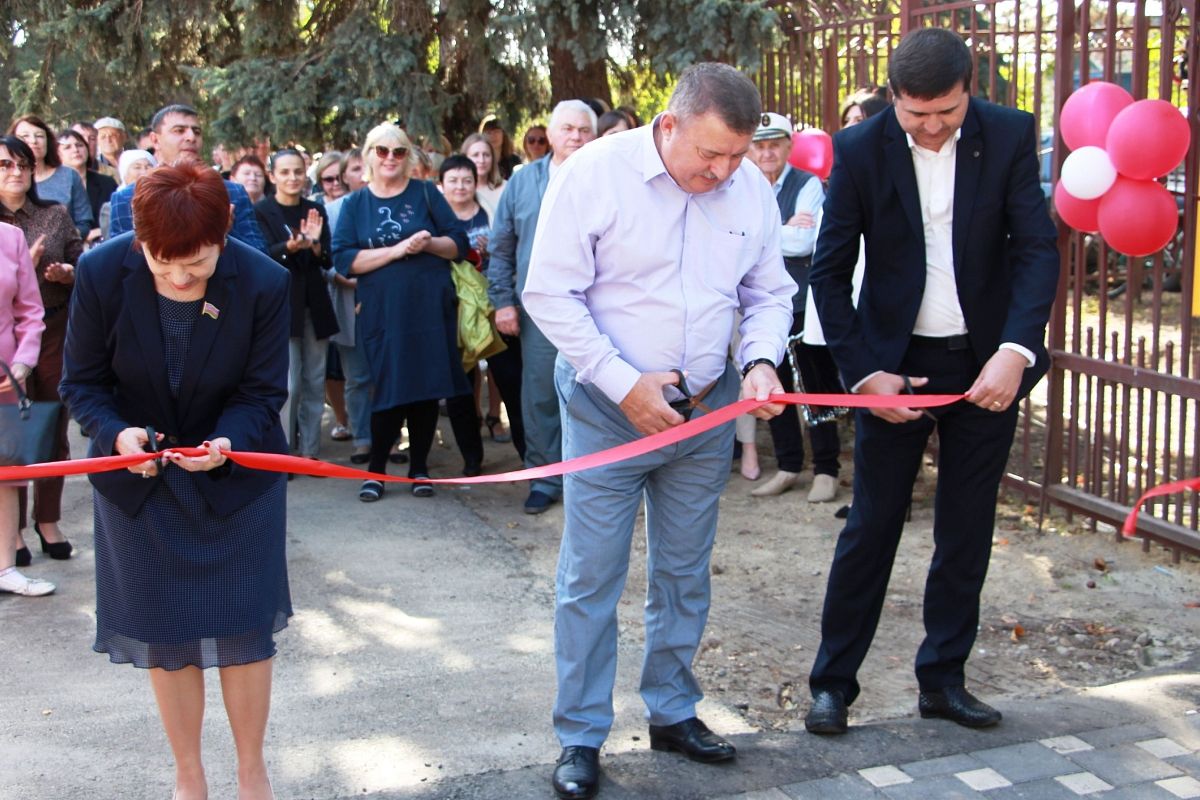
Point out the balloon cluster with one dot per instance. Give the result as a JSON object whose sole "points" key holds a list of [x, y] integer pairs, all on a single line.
{"points": [[812, 151], [1119, 150]]}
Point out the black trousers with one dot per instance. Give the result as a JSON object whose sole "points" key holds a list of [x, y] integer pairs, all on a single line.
{"points": [[506, 367], [973, 447], [385, 431], [819, 374], [465, 424]]}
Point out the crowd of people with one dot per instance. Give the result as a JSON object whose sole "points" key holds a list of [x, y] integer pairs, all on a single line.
{"points": [[634, 282]]}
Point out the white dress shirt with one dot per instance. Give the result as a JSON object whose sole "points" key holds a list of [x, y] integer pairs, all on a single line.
{"points": [[940, 314], [632, 274], [794, 240]]}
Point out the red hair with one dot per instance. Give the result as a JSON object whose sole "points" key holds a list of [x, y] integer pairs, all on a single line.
{"points": [[179, 209]]}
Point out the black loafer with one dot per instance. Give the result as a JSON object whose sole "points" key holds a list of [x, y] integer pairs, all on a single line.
{"points": [[577, 774], [692, 738], [828, 714], [956, 704]]}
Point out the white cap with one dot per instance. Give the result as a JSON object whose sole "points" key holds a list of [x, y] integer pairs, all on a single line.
{"points": [[109, 122], [773, 126]]}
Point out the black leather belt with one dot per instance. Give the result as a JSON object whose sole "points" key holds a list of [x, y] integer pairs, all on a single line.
{"points": [[960, 342]]}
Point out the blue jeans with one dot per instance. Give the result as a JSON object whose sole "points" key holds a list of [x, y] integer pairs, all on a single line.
{"points": [[358, 392]]}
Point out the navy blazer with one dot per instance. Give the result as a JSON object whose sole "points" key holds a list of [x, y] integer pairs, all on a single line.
{"points": [[234, 379], [1006, 261]]}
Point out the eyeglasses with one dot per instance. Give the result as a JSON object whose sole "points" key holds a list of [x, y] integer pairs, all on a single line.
{"points": [[395, 152], [333, 178], [8, 165], [535, 140]]}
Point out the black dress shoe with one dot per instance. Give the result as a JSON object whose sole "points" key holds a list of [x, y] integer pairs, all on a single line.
{"points": [[538, 502], [956, 704], [24, 557], [577, 774], [827, 714], [692, 738]]}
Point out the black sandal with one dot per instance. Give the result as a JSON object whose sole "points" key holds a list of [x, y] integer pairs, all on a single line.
{"points": [[371, 491], [422, 489]]}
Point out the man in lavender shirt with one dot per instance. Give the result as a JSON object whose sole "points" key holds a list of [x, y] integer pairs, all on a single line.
{"points": [[648, 243]]}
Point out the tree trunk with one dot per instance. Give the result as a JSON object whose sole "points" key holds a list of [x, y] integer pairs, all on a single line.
{"points": [[567, 79]]}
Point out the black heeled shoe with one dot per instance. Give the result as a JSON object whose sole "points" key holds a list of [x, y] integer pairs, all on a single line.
{"points": [[492, 424], [60, 551], [24, 557]]}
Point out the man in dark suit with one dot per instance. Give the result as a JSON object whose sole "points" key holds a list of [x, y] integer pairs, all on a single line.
{"points": [[961, 270]]}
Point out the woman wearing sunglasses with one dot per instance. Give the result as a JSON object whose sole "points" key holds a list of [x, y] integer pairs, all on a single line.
{"points": [[536, 144], [398, 236]]}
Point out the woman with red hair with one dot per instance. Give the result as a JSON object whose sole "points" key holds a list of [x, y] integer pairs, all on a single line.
{"points": [[179, 338]]}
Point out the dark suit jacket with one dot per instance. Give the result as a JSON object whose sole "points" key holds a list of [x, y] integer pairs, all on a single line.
{"points": [[309, 289], [100, 187], [234, 380], [1006, 261]]}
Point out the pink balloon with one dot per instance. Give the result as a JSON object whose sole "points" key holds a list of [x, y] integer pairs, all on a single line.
{"points": [[1138, 218], [1079, 214], [812, 151], [1089, 111], [1148, 139]]}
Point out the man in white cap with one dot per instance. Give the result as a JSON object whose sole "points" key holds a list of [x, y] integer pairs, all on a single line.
{"points": [[800, 197], [110, 140]]}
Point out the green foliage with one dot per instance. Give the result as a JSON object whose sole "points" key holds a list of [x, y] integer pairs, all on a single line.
{"points": [[326, 71]]}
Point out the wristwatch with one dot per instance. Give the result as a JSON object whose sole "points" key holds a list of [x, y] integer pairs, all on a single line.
{"points": [[752, 364]]}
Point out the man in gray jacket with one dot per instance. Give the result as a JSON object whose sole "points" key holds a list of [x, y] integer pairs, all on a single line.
{"points": [[572, 125]]}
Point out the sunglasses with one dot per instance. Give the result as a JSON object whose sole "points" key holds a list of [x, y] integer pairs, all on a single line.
{"points": [[394, 152], [334, 178], [8, 165], [535, 140]]}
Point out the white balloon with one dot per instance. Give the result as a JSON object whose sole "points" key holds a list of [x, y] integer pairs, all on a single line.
{"points": [[1088, 173]]}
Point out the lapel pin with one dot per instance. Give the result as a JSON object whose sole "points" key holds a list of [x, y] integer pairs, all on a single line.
{"points": [[210, 310], [977, 154]]}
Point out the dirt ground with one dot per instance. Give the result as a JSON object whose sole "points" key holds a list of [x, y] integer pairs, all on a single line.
{"points": [[1062, 608]]}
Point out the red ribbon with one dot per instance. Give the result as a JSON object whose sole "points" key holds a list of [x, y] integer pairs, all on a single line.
{"points": [[1130, 526], [274, 462]]}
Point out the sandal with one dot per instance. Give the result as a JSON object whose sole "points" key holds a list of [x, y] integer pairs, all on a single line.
{"points": [[422, 489], [370, 491], [340, 433], [492, 424]]}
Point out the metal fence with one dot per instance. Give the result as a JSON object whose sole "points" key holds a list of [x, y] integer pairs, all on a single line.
{"points": [[1118, 411]]}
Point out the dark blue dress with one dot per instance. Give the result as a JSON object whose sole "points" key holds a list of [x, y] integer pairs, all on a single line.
{"points": [[177, 585], [408, 325]]}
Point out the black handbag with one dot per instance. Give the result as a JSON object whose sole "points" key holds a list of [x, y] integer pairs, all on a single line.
{"points": [[26, 429]]}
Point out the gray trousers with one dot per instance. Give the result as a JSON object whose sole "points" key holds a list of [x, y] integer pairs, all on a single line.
{"points": [[305, 405], [539, 405], [681, 486]]}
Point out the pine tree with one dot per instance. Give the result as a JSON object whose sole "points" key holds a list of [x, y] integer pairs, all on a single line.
{"points": [[326, 71]]}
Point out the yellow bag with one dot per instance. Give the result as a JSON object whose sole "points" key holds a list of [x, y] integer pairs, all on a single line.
{"points": [[477, 334]]}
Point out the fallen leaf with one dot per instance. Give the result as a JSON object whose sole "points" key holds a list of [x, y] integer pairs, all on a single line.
{"points": [[1191, 604], [1018, 631], [1100, 564], [1002, 542]]}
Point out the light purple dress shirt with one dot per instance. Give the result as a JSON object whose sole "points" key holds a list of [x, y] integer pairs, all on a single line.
{"points": [[632, 274]]}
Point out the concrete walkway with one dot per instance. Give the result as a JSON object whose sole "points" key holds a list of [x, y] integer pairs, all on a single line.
{"points": [[419, 665]]}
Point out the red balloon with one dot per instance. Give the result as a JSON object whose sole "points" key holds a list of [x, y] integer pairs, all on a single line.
{"points": [[812, 151], [1089, 111], [1148, 139], [1079, 214], [1138, 218]]}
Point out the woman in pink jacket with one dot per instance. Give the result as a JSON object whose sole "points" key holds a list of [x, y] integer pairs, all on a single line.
{"points": [[21, 329]]}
